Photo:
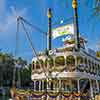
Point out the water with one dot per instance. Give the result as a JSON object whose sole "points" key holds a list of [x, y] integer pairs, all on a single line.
{"points": [[4, 93], [4, 97]]}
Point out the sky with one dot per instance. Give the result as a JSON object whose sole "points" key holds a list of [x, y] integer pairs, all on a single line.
{"points": [[35, 11]]}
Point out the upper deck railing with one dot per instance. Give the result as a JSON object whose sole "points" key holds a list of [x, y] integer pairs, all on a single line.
{"points": [[67, 61]]}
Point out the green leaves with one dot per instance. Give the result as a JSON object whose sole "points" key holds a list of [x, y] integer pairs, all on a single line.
{"points": [[7, 65]]}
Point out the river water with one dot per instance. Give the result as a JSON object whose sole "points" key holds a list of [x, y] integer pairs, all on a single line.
{"points": [[4, 97]]}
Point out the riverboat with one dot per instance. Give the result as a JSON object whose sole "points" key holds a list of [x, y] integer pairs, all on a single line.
{"points": [[70, 72]]}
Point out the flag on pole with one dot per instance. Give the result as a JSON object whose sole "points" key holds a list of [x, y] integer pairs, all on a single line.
{"points": [[63, 30]]}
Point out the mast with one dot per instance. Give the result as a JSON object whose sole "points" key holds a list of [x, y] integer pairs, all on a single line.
{"points": [[76, 28], [49, 36]]}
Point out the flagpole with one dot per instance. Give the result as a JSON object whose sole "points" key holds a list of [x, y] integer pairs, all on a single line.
{"points": [[49, 36], [76, 27]]}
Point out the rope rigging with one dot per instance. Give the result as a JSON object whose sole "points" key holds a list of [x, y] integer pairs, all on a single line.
{"points": [[16, 49], [32, 26], [32, 47], [48, 77], [31, 44], [22, 21]]}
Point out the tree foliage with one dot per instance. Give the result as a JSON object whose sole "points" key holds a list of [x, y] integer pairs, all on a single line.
{"points": [[98, 54], [7, 65]]}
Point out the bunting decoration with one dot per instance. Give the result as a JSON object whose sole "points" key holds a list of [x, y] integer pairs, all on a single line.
{"points": [[38, 94], [53, 95], [66, 95], [77, 95]]}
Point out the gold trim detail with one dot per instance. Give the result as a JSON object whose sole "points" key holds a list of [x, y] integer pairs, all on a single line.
{"points": [[74, 4]]}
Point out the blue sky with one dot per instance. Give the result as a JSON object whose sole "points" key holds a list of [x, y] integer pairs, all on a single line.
{"points": [[35, 11]]}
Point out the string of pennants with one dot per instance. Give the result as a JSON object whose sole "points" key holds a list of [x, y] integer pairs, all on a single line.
{"points": [[51, 94]]}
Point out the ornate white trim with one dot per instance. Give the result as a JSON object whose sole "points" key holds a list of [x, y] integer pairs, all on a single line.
{"points": [[77, 75]]}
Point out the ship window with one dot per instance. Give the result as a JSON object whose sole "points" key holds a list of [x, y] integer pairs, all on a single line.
{"points": [[89, 64], [70, 60], [33, 85], [84, 85], [37, 85], [94, 85], [86, 65], [59, 61], [69, 85], [51, 86], [45, 85], [79, 60], [41, 85], [49, 62], [99, 86], [93, 67], [33, 65], [74, 86], [56, 84], [85, 60], [98, 69], [39, 64]]}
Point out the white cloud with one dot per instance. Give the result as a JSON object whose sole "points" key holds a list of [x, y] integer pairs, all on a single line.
{"points": [[2, 6], [9, 21], [8, 25]]}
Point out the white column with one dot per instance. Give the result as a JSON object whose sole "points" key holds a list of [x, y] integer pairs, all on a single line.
{"points": [[42, 89], [39, 85], [60, 88], [75, 57], [97, 85], [34, 85], [42, 85], [91, 89], [78, 86], [48, 89], [65, 64], [47, 84]]}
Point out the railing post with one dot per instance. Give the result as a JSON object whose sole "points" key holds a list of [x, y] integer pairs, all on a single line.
{"points": [[91, 89], [78, 83]]}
